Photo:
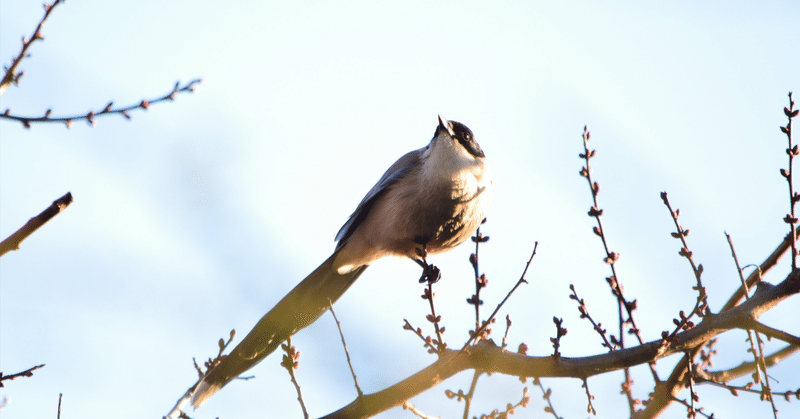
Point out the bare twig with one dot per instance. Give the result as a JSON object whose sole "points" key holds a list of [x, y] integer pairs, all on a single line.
{"points": [[758, 357], [792, 150], [109, 109], [468, 397], [290, 363], [428, 294], [756, 345], [556, 341], [611, 257], [209, 365], [738, 267], [505, 335], [698, 410], [510, 409], [762, 270], [13, 241], [346, 353], [613, 281], [480, 280], [701, 304], [418, 331], [58, 415], [692, 413], [546, 396], [521, 280], [26, 373], [598, 327], [590, 407], [413, 409], [11, 75]]}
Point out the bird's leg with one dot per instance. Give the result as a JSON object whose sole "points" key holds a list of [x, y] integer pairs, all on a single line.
{"points": [[430, 273]]}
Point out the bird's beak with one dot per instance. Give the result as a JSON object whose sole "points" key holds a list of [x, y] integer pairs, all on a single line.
{"points": [[446, 125]]}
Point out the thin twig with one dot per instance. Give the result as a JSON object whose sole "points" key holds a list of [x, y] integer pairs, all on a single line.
{"points": [[468, 397], [26, 373], [770, 262], [546, 396], [428, 294], [211, 363], [13, 241], [418, 331], [413, 409], [598, 327], [58, 415], [109, 109], [480, 280], [510, 409], [738, 267], [590, 407], [758, 353], [494, 313], [346, 353], [692, 413], [701, 304], [611, 257], [556, 341], [792, 151], [290, 363], [613, 281], [698, 410], [505, 335], [766, 389], [11, 75]]}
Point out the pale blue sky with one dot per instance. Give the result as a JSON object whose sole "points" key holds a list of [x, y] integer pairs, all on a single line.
{"points": [[198, 215]]}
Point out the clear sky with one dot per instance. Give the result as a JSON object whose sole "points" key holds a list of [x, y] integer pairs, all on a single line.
{"points": [[196, 216]]}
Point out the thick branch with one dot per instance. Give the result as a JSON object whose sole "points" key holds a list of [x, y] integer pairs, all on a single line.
{"points": [[13, 241], [486, 356], [767, 296]]}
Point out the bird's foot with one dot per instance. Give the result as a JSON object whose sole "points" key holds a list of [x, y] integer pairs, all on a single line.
{"points": [[430, 274]]}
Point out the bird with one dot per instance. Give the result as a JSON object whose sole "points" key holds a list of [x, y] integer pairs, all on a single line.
{"points": [[429, 201]]}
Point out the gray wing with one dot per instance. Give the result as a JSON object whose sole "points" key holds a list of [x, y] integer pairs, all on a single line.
{"points": [[400, 168]]}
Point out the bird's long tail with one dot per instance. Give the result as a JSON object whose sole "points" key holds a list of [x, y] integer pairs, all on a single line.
{"points": [[297, 310]]}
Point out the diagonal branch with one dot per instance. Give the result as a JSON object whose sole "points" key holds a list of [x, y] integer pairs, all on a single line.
{"points": [[745, 367], [13, 241], [26, 373], [11, 75]]}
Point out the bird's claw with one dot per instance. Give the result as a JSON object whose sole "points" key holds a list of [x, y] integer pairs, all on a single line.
{"points": [[430, 274]]}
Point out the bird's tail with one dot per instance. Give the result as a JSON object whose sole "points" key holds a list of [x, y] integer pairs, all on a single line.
{"points": [[297, 310]]}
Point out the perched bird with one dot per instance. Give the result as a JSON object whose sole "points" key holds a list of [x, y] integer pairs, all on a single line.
{"points": [[429, 201]]}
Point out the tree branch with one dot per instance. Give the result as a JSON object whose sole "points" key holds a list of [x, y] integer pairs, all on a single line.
{"points": [[26, 373], [744, 367], [488, 357], [11, 75], [13, 241], [109, 109]]}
